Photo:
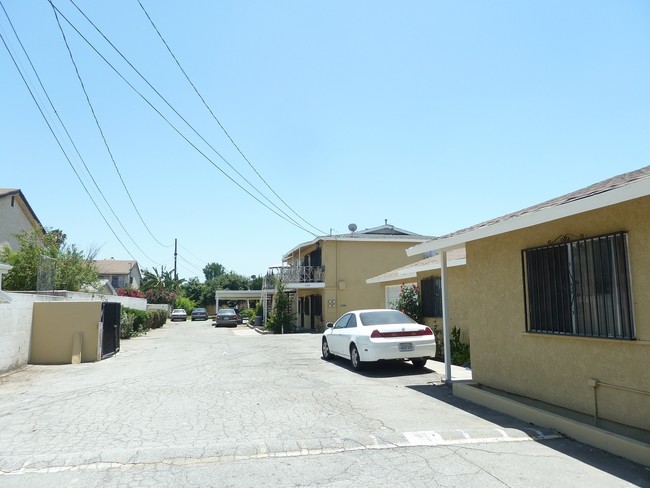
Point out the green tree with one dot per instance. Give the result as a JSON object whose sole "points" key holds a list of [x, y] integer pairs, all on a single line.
{"points": [[227, 281], [161, 286], [194, 289], [213, 270], [72, 270], [279, 320], [256, 282]]}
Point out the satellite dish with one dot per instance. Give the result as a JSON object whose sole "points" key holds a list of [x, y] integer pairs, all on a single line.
{"points": [[352, 227]]}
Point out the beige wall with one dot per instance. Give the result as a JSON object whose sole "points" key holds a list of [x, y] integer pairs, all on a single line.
{"points": [[53, 329], [347, 266], [457, 298], [555, 369], [355, 263], [13, 220]]}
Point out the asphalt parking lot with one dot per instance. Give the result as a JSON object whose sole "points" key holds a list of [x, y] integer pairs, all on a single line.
{"points": [[194, 405]]}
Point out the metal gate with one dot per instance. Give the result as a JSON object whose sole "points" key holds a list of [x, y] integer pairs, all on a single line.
{"points": [[110, 329]]}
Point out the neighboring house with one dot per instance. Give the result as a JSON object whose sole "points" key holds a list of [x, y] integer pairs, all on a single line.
{"points": [[327, 275], [119, 273], [557, 297], [427, 276], [16, 216]]}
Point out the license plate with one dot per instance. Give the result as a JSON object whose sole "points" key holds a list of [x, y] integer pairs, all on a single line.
{"points": [[406, 346]]}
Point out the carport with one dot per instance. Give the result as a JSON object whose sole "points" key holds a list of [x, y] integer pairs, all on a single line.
{"points": [[237, 295]]}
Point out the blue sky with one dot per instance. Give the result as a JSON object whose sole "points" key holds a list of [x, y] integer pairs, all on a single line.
{"points": [[434, 115]]}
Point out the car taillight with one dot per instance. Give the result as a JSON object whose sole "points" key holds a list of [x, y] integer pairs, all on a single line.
{"points": [[422, 332]]}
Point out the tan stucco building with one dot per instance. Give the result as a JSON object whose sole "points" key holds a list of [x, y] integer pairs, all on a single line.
{"points": [[426, 275], [16, 216], [559, 310], [327, 275]]}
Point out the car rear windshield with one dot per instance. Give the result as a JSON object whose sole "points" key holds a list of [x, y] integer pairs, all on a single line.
{"points": [[380, 317]]}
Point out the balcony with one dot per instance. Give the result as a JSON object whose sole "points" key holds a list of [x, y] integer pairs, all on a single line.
{"points": [[297, 277]]}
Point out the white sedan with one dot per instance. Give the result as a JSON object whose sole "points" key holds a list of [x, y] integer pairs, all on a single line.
{"points": [[374, 335]]}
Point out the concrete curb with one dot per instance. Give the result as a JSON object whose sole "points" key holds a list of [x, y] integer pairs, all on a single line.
{"points": [[608, 441]]}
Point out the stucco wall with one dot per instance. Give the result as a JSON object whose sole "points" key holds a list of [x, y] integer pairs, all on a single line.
{"points": [[16, 321], [16, 329], [555, 369], [13, 220], [457, 298], [54, 327], [347, 267]]}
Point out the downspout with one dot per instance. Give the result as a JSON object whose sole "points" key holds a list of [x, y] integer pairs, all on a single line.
{"points": [[445, 318]]}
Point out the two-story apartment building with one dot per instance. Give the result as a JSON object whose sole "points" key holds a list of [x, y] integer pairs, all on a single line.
{"points": [[326, 276]]}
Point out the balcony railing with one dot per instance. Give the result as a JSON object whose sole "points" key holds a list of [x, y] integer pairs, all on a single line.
{"points": [[294, 274]]}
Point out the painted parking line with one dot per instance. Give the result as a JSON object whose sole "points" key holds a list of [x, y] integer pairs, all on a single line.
{"points": [[476, 436]]}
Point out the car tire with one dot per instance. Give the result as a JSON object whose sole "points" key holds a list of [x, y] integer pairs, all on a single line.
{"points": [[355, 359], [419, 363], [327, 355]]}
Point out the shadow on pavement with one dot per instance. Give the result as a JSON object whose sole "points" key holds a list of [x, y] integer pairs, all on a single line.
{"points": [[621, 468], [383, 369]]}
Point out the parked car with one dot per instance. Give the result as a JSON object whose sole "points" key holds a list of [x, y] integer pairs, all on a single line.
{"points": [[179, 314], [199, 314], [378, 334], [240, 317], [226, 316]]}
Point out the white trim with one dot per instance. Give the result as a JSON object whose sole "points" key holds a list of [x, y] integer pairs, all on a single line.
{"points": [[358, 238], [5, 297], [242, 294], [305, 286], [636, 189], [412, 271]]}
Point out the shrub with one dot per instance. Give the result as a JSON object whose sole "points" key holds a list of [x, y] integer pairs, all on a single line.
{"points": [[248, 313], [459, 350], [259, 309], [159, 317], [409, 302], [279, 320], [129, 291], [126, 325], [185, 303]]}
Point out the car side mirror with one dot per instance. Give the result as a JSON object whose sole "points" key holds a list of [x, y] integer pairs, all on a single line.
{"points": [[330, 325]]}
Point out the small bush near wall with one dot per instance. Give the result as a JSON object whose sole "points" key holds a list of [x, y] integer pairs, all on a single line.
{"points": [[136, 322], [459, 350], [126, 325], [158, 318]]}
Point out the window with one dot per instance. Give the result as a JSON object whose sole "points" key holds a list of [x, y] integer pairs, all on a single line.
{"points": [[580, 288], [431, 290], [342, 322]]}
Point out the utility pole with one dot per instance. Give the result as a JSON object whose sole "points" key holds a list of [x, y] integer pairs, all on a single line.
{"points": [[175, 254]]}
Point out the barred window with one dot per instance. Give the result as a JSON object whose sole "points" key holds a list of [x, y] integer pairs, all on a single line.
{"points": [[431, 290], [580, 288]]}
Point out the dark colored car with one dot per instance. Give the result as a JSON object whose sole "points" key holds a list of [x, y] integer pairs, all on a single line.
{"points": [[240, 317], [199, 314], [226, 316]]}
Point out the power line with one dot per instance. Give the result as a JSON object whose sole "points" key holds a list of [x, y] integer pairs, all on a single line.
{"points": [[69, 135], [286, 218], [101, 131], [57, 139], [219, 122]]}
